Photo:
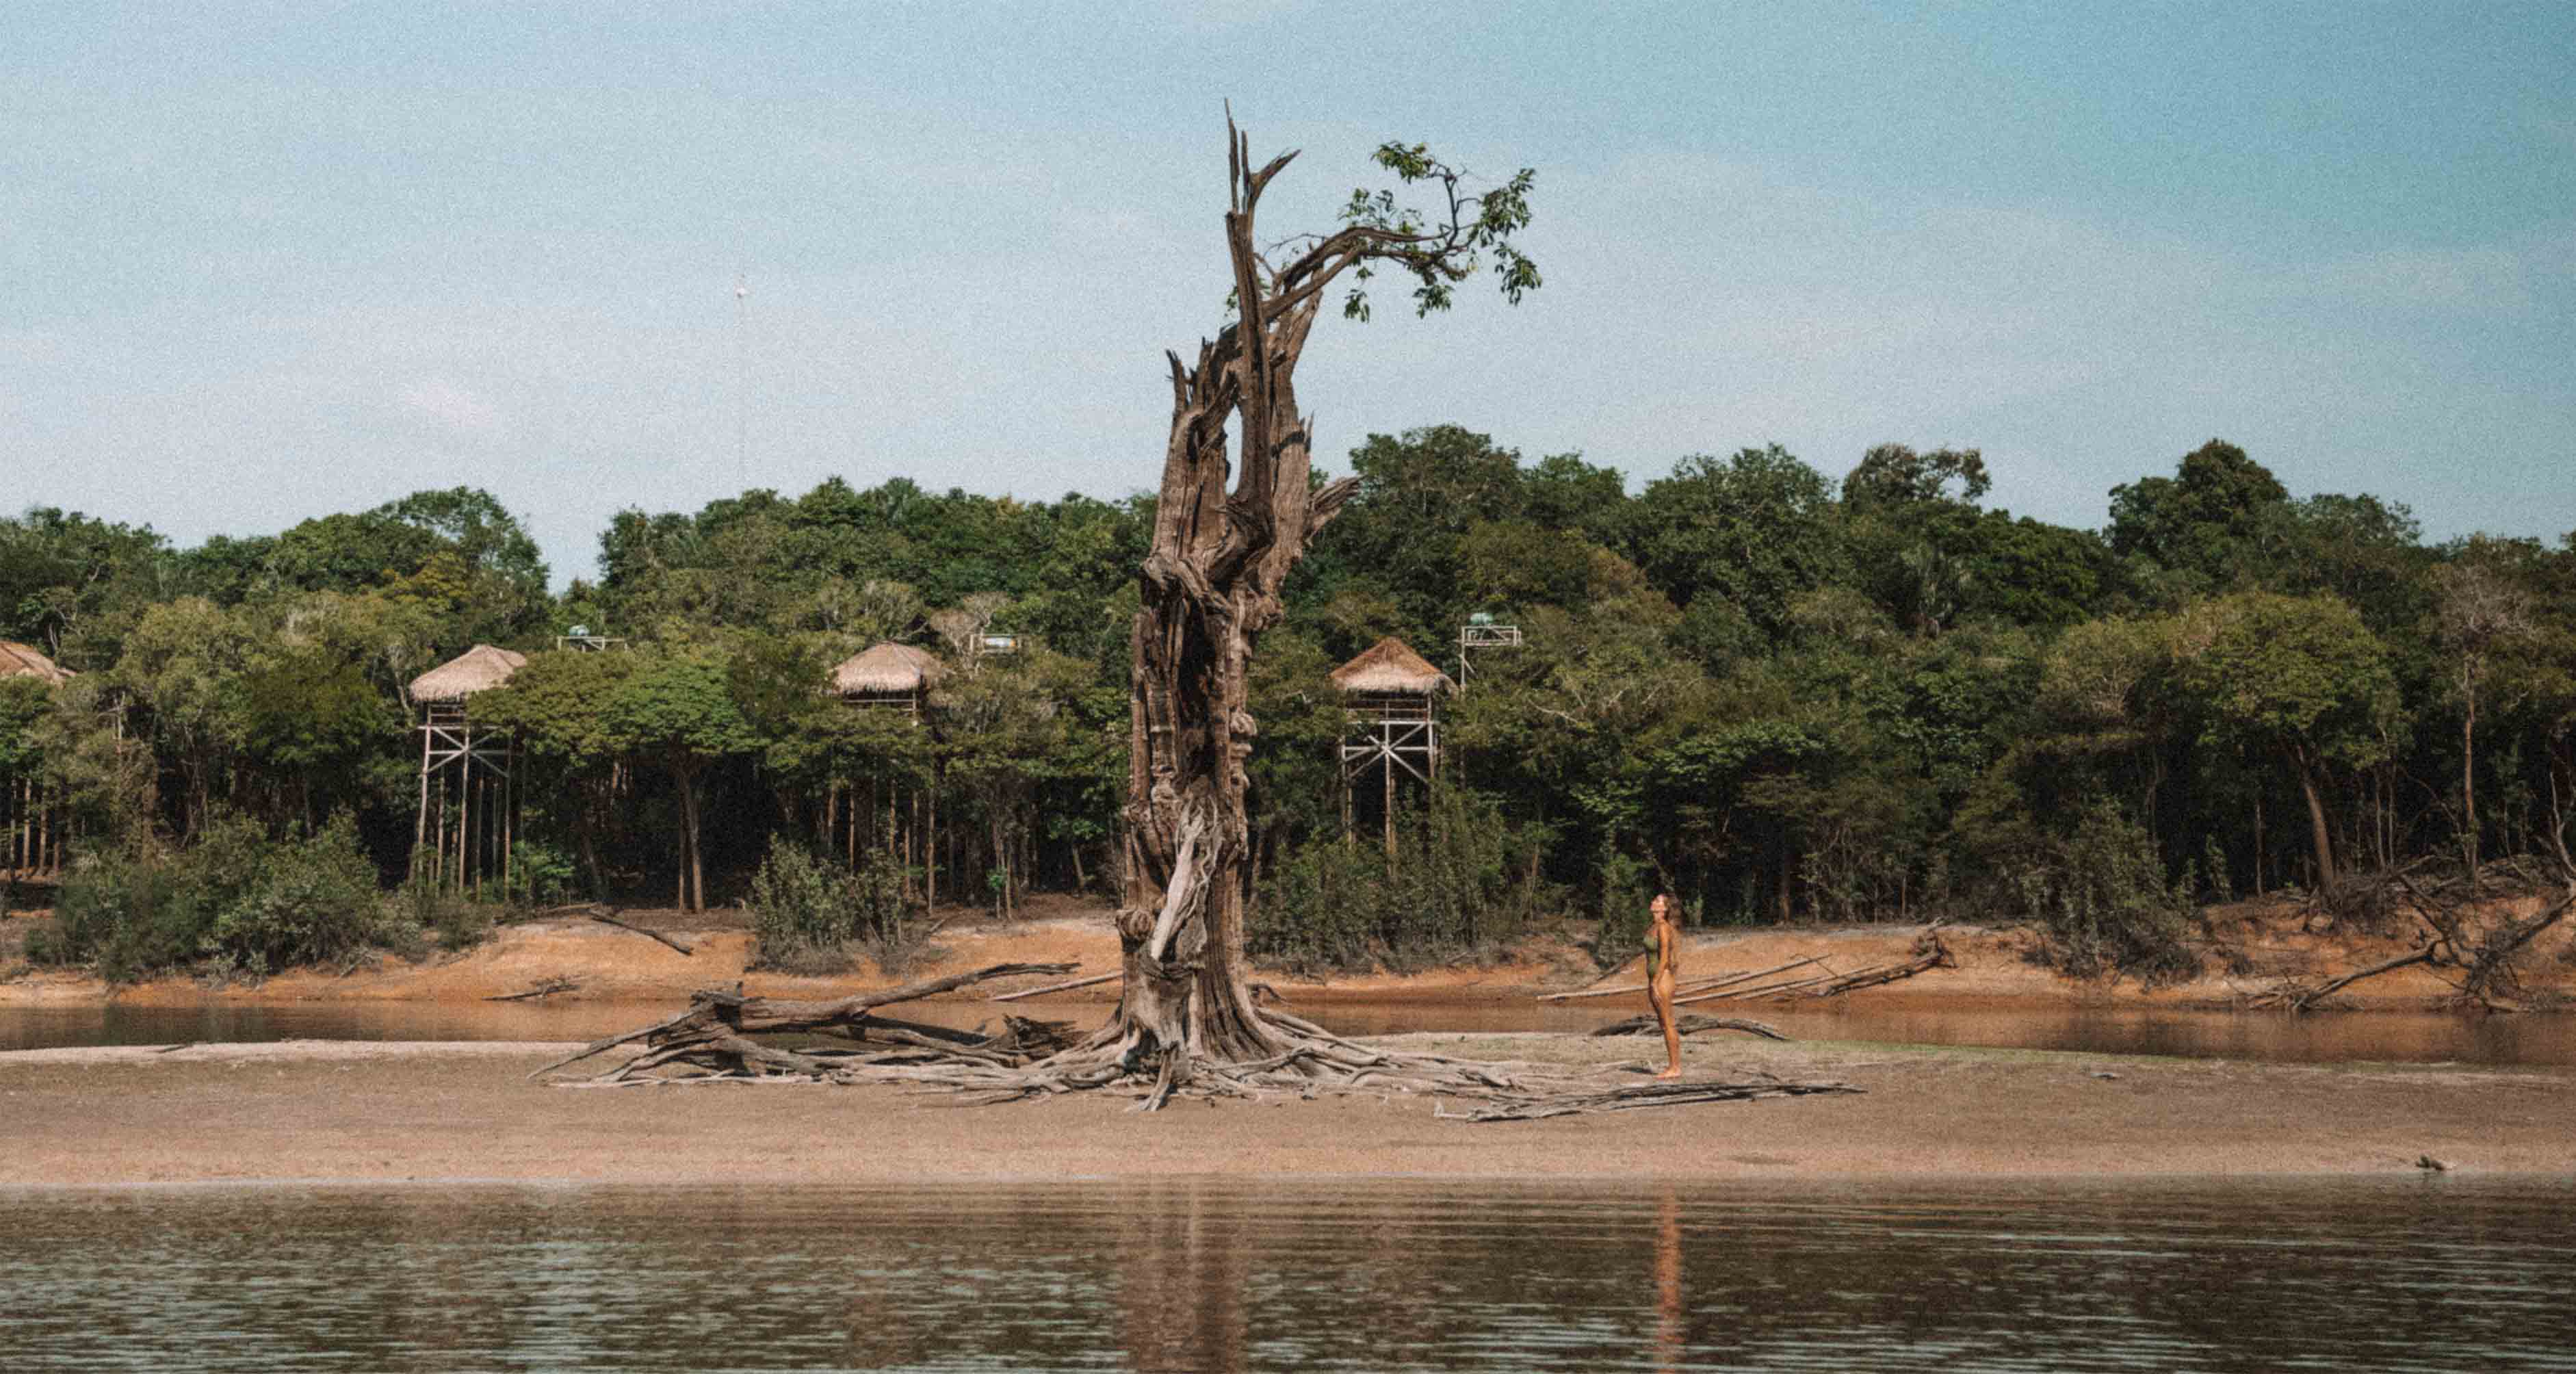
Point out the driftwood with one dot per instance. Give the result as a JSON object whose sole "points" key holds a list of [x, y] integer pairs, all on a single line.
{"points": [[1704, 985], [714, 1040], [607, 920], [1762, 990], [2484, 957], [1690, 1025], [1667, 1093], [734, 1013], [2302, 996], [547, 988], [1930, 952], [1092, 981]]}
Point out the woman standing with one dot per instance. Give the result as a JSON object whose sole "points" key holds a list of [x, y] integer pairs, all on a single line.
{"points": [[1663, 967]]}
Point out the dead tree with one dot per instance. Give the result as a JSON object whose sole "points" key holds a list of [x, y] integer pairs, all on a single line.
{"points": [[1212, 579], [1186, 1021], [2483, 954]]}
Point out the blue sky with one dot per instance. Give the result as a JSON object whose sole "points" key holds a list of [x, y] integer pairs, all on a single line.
{"points": [[275, 260]]}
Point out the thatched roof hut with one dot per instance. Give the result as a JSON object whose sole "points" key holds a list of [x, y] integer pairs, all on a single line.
{"points": [[886, 669], [25, 660], [1390, 667], [469, 672]]}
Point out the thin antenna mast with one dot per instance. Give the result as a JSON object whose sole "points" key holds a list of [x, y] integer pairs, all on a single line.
{"points": [[742, 381]]}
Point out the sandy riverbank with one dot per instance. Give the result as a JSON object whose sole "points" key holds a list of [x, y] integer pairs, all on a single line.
{"points": [[2252, 944], [390, 1112]]}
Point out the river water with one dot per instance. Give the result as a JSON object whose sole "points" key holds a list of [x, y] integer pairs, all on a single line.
{"points": [[2440, 1273]]}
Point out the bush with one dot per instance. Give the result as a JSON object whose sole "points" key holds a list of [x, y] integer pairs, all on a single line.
{"points": [[236, 901], [1627, 890], [1456, 888], [813, 916], [2103, 904], [442, 915], [540, 875]]}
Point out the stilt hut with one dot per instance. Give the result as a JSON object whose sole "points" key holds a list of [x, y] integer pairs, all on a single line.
{"points": [[892, 678], [887, 675], [468, 810], [31, 822], [1391, 694]]}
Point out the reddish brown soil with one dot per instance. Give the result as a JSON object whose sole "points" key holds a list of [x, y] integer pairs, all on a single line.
{"points": [[2255, 944]]}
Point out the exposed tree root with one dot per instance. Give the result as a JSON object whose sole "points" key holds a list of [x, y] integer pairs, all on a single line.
{"points": [[2483, 953], [715, 1041]]}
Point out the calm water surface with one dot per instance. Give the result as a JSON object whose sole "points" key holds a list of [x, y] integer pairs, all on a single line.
{"points": [[2441, 1273], [2344, 1036]]}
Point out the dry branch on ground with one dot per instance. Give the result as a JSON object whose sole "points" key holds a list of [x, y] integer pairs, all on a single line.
{"points": [[1691, 1025], [718, 1039]]}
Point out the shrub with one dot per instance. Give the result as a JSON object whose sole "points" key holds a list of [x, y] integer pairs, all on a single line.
{"points": [[2103, 905], [441, 915], [540, 875], [1627, 889], [309, 900], [236, 901], [1457, 887], [810, 915]]}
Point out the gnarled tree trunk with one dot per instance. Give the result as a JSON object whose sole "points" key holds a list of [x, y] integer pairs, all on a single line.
{"points": [[1210, 587]]}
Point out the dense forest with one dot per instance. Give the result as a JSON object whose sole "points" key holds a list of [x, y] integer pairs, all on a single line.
{"points": [[1781, 695]]}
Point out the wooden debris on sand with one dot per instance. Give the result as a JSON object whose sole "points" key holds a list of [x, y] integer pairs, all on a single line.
{"points": [[1093, 981], [713, 1035], [1664, 1093], [2483, 952], [548, 988], [1690, 1025], [1929, 952], [715, 1040], [607, 920], [1703, 985]]}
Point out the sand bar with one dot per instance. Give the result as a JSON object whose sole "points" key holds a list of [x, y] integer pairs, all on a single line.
{"points": [[376, 1111]]}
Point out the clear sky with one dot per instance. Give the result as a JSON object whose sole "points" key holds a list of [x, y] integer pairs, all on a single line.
{"points": [[268, 261]]}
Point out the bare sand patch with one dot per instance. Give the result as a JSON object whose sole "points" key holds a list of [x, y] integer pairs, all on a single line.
{"points": [[377, 1112]]}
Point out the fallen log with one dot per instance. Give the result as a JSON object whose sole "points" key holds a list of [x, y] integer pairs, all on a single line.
{"points": [[607, 920], [1092, 981], [2298, 996], [547, 988], [1627, 1098], [1723, 980], [1788, 985], [717, 1021], [1690, 1025], [1930, 952]]}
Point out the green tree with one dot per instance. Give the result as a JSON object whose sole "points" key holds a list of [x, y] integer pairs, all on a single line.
{"points": [[2220, 522], [675, 709], [2298, 675], [557, 707], [2480, 610], [1753, 531]]}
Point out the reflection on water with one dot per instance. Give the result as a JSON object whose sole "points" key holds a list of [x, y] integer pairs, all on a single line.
{"points": [[2436, 1274], [2422, 1037]]}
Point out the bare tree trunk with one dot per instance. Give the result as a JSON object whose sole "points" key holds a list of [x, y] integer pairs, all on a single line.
{"points": [[2318, 831], [2469, 774], [693, 884], [1210, 588]]}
